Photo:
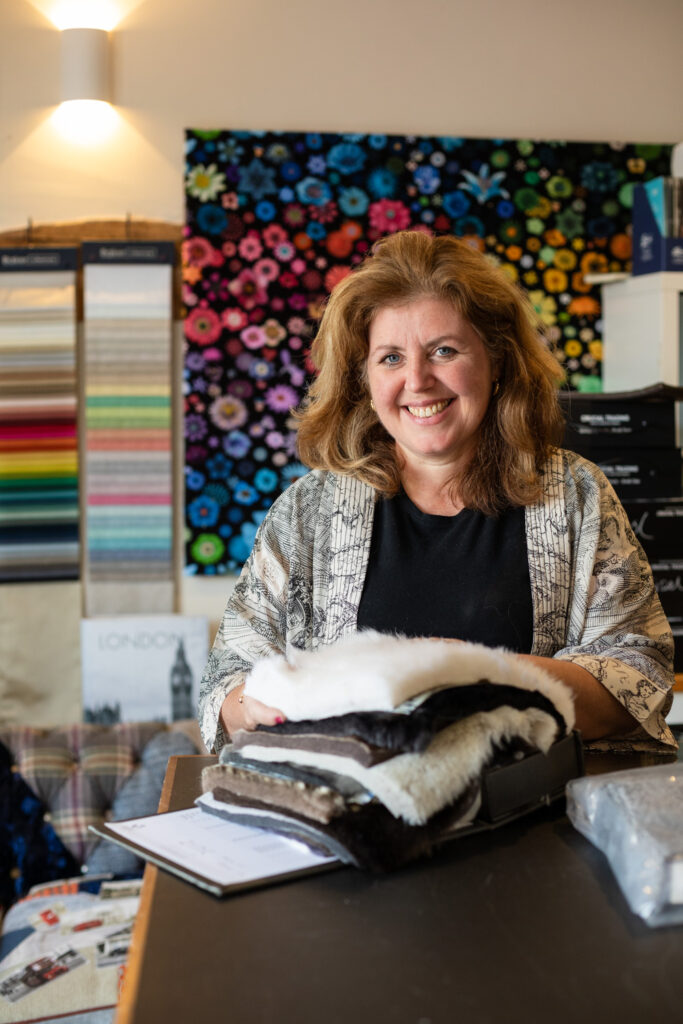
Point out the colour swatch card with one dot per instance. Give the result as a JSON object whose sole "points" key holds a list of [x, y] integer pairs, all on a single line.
{"points": [[275, 219], [39, 515], [127, 383], [142, 667]]}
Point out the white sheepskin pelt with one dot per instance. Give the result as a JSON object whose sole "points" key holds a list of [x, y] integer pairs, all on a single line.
{"points": [[371, 671], [416, 786]]}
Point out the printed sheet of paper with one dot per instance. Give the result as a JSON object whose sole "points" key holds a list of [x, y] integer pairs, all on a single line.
{"points": [[204, 846]]}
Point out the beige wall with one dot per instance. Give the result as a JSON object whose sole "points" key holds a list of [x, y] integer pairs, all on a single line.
{"points": [[585, 70], [581, 70]]}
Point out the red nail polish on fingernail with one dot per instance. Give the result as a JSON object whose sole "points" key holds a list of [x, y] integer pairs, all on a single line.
{"points": [[279, 720]]}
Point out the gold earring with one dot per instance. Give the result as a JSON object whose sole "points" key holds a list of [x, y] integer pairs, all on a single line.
{"points": [[496, 387], [372, 405]]}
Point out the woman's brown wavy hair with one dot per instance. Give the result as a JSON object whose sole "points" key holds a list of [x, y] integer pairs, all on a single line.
{"points": [[338, 430]]}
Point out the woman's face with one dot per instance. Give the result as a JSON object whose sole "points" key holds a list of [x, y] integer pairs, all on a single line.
{"points": [[430, 379]]}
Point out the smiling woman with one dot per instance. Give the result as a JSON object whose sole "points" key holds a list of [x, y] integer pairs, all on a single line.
{"points": [[440, 505], [413, 293]]}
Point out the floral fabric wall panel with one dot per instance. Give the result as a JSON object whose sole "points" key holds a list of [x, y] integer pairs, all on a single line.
{"points": [[276, 219]]}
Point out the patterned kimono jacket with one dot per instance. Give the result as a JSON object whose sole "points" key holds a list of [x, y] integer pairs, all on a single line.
{"points": [[593, 596]]}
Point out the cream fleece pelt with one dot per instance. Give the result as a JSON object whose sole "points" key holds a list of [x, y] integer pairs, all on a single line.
{"points": [[371, 671]]}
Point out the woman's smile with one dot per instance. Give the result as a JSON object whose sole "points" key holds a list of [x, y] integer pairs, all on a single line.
{"points": [[423, 412]]}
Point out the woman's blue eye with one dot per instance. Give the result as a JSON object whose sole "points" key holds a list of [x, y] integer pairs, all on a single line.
{"points": [[391, 359], [445, 350]]}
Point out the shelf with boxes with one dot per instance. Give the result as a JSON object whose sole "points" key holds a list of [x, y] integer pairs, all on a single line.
{"points": [[632, 437], [642, 315]]}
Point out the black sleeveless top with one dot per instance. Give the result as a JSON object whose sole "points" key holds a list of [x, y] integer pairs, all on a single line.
{"points": [[463, 576]]}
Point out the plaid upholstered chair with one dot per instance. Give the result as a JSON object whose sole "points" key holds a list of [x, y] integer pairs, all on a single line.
{"points": [[54, 783]]}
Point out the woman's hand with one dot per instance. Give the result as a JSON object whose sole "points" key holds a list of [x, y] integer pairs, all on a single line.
{"points": [[241, 712], [598, 712]]}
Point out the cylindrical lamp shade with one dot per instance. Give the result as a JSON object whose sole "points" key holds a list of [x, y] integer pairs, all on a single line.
{"points": [[85, 64]]}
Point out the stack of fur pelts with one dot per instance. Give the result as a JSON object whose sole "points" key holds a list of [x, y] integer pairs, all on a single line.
{"points": [[384, 743]]}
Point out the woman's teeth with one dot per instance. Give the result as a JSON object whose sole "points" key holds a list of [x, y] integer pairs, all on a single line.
{"points": [[422, 411]]}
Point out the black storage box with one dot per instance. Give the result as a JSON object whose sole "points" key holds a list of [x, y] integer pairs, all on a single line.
{"points": [[678, 648], [668, 577], [510, 790], [645, 418], [641, 472], [658, 525]]}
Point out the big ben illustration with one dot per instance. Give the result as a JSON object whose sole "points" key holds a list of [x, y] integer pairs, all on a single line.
{"points": [[181, 686]]}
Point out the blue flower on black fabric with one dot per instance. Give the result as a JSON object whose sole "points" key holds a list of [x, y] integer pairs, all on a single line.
{"points": [[244, 493], [261, 369], [203, 511], [229, 151], [194, 480], [266, 480], [265, 210], [218, 492], [382, 184], [469, 226], [290, 171], [256, 179], [248, 533], [212, 218], [293, 471], [313, 191], [449, 142], [239, 549], [315, 230], [484, 185], [314, 140], [456, 204], [353, 201], [317, 164], [236, 444], [427, 179], [346, 157], [218, 466], [601, 227], [599, 177], [505, 209], [377, 141]]}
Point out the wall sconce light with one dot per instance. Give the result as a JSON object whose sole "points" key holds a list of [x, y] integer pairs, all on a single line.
{"points": [[85, 64], [84, 115]]}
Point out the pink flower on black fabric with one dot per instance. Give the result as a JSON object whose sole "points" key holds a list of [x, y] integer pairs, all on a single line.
{"points": [[389, 215], [281, 398], [203, 326], [197, 252], [248, 289]]}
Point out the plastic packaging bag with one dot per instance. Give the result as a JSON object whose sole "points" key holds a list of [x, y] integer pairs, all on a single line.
{"points": [[636, 818]]}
